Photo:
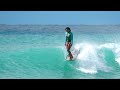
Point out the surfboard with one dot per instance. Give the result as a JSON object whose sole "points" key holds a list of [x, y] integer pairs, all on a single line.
{"points": [[75, 53]]}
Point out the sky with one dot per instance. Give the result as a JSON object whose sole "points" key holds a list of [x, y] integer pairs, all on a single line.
{"points": [[60, 17]]}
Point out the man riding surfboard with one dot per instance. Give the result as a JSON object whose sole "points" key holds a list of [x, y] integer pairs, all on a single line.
{"points": [[69, 41]]}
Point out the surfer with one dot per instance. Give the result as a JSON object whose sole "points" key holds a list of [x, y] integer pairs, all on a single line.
{"points": [[69, 41]]}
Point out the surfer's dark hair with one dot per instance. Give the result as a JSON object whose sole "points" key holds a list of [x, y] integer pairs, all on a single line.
{"points": [[67, 28]]}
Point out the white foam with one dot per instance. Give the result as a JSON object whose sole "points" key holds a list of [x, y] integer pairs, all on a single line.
{"points": [[91, 71], [77, 46], [118, 60], [108, 45], [89, 60], [115, 47]]}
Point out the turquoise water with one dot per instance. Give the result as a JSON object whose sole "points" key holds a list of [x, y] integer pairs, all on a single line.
{"points": [[38, 52]]}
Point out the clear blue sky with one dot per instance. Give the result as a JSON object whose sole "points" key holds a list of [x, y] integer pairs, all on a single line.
{"points": [[60, 17]]}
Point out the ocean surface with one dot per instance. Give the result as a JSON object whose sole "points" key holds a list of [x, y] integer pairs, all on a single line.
{"points": [[38, 52]]}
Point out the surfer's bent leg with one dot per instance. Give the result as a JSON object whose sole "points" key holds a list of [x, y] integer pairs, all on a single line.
{"points": [[71, 56], [68, 46]]}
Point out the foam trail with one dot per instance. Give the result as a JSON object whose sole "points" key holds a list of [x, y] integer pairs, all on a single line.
{"points": [[91, 71]]}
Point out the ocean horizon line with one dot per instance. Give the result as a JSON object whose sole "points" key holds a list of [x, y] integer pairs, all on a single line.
{"points": [[61, 24]]}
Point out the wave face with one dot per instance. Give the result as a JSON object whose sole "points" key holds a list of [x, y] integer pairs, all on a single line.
{"points": [[38, 51]]}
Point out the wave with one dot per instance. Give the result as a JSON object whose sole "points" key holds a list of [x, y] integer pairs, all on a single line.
{"points": [[93, 58], [39, 61]]}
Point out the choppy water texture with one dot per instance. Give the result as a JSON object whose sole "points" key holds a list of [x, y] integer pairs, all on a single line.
{"points": [[38, 51]]}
